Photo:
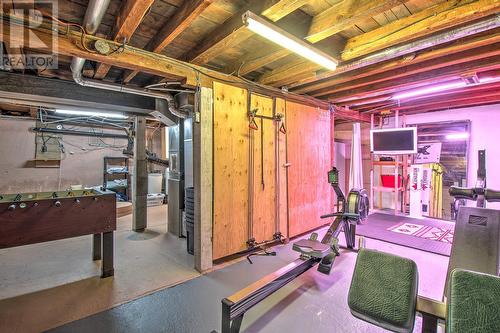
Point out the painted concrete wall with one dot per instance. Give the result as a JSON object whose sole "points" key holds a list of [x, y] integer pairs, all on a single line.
{"points": [[17, 151], [485, 134]]}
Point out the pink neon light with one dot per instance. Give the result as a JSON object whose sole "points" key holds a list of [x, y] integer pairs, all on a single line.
{"points": [[428, 90]]}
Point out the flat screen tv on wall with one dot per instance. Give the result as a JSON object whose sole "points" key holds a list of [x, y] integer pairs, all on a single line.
{"points": [[394, 141]]}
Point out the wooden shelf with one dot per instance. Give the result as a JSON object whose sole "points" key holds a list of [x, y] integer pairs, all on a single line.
{"points": [[386, 189], [387, 163]]}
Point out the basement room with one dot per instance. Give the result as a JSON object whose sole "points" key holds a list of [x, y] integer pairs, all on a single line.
{"points": [[230, 166]]}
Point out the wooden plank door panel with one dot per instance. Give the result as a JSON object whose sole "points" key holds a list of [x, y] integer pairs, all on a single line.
{"points": [[264, 173], [231, 159], [308, 145]]}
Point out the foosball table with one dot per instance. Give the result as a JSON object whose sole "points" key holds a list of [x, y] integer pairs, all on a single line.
{"points": [[29, 218]]}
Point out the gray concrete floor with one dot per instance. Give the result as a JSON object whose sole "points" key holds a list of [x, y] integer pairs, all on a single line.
{"points": [[46, 285], [311, 303]]}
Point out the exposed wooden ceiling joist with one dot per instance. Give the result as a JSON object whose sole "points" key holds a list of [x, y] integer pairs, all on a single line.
{"points": [[346, 14], [428, 21], [460, 100], [364, 105], [148, 62], [448, 50], [180, 21], [131, 15], [417, 80], [341, 16], [279, 9], [421, 24], [234, 32], [296, 67], [17, 59], [253, 63], [453, 59]]}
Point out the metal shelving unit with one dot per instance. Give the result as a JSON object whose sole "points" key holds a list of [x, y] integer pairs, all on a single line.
{"points": [[110, 161]]}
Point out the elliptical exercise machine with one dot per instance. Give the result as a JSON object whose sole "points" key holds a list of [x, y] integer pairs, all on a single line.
{"points": [[350, 212]]}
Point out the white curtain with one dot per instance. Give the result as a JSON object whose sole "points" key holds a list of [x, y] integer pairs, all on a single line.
{"points": [[356, 172]]}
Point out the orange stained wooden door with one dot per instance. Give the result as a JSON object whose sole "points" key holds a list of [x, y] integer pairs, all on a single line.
{"points": [[309, 156]]}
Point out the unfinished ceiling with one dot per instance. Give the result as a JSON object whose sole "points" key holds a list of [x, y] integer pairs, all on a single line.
{"points": [[384, 46]]}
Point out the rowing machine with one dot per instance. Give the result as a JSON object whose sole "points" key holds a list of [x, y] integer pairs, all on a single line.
{"points": [[349, 213]]}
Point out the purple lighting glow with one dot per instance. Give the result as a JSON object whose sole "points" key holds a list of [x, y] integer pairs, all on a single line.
{"points": [[457, 136], [428, 90]]}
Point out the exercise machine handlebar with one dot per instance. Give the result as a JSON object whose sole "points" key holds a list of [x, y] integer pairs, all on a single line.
{"points": [[463, 193], [492, 195], [473, 193], [348, 215]]}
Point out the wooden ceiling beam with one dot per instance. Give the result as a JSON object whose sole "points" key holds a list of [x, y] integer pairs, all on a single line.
{"points": [[297, 67], [279, 9], [131, 14], [455, 103], [275, 11], [231, 33], [234, 32], [347, 114], [274, 77], [180, 21], [254, 64], [423, 23], [17, 59], [177, 24], [416, 58], [413, 81], [412, 69], [137, 59], [385, 102], [346, 14], [457, 96], [340, 16]]}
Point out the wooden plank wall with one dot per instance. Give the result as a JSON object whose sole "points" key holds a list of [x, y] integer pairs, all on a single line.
{"points": [[203, 181], [303, 186], [282, 172], [264, 173], [230, 230], [309, 153]]}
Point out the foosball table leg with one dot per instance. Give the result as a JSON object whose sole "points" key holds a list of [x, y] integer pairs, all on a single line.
{"points": [[107, 254], [96, 247]]}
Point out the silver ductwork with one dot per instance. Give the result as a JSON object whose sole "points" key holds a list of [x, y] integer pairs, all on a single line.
{"points": [[411, 48], [425, 43], [93, 17]]}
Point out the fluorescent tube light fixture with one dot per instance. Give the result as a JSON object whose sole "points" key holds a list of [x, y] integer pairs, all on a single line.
{"points": [[429, 90], [92, 114], [288, 41], [457, 136]]}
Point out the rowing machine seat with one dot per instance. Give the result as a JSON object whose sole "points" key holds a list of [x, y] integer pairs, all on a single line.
{"points": [[312, 248]]}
